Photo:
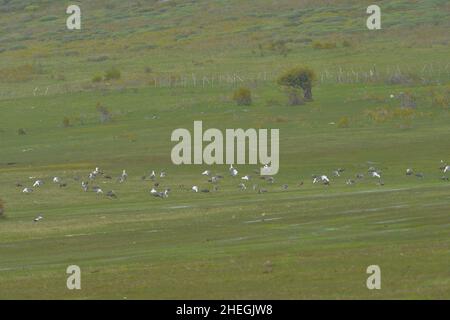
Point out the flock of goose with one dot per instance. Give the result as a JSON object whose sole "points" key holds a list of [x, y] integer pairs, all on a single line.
{"points": [[214, 180]]}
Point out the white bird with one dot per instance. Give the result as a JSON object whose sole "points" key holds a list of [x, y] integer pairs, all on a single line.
{"points": [[153, 175], [84, 186], [206, 173], [98, 191], [195, 188], [233, 171], [162, 174], [392, 96], [446, 169], [123, 177], [214, 179], [246, 178], [242, 187], [376, 175], [155, 193], [38, 183], [265, 169], [38, 218], [409, 172], [325, 179], [27, 190], [56, 179]]}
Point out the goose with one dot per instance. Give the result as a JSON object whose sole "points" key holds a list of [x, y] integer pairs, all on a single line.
{"points": [[124, 176], [38, 183], [157, 194], [214, 179], [233, 171], [270, 179], [27, 190], [325, 179], [38, 218], [195, 188], [376, 175], [98, 191], [206, 173], [111, 194]]}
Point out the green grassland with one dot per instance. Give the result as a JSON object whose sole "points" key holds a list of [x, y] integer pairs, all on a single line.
{"points": [[179, 61]]}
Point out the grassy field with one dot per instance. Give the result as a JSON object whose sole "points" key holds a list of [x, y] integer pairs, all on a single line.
{"points": [[181, 61]]}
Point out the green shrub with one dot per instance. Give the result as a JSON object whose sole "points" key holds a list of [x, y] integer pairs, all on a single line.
{"points": [[346, 44], [242, 97], [66, 122], [112, 74], [97, 78]]}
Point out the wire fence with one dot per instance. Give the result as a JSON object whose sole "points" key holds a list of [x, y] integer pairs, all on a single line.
{"points": [[428, 74]]}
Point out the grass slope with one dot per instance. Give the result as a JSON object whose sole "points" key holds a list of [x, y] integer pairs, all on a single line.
{"points": [[307, 242]]}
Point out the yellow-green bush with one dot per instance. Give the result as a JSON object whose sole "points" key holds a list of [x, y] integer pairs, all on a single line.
{"points": [[324, 45], [344, 122], [242, 97]]}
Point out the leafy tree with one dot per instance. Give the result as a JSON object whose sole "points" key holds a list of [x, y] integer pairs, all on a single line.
{"points": [[299, 78]]}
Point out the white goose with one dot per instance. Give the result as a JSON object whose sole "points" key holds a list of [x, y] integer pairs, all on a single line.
{"points": [[38, 183]]}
